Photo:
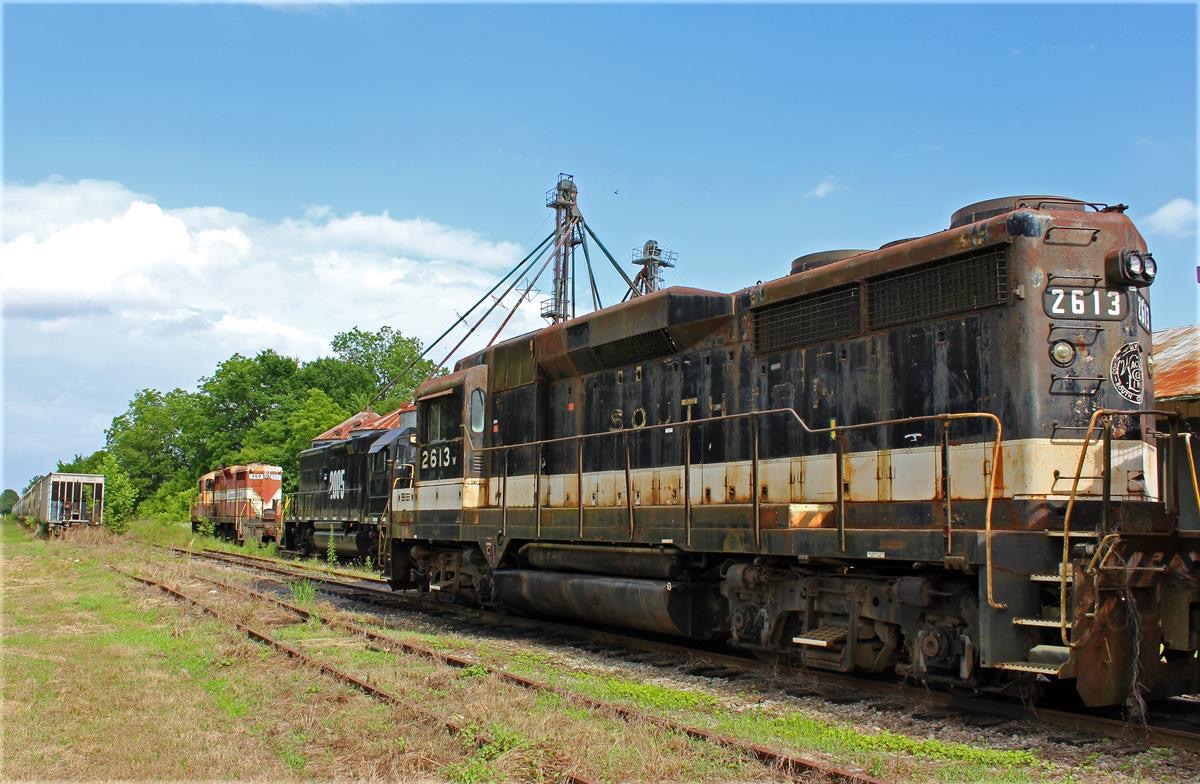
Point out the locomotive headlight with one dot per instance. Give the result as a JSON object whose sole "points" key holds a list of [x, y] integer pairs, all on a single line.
{"points": [[1133, 264], [1149, 267], [1130, 267], [1062, 352]]}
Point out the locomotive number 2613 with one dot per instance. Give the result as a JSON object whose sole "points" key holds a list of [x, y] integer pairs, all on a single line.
{"points": [[1088, 303], [437, 457]]}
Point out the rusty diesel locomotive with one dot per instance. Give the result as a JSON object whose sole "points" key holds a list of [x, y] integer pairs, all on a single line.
{"points": [[240, 502], [936, 458]]}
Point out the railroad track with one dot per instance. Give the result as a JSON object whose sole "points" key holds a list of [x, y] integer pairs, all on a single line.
{"points": [[1177, 728], [790, 766]]}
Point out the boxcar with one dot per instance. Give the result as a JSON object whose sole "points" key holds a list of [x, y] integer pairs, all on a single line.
{"points": [[57, 501]]}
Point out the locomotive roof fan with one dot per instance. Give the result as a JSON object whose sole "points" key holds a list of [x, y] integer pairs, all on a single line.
{"points": [[989, 208], [811, 261]]}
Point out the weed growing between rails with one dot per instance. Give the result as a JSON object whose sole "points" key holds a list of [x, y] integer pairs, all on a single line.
{"points": [[303, 592]]}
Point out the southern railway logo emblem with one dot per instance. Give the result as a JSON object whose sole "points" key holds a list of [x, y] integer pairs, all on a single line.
{"points": [[1126, 372]]}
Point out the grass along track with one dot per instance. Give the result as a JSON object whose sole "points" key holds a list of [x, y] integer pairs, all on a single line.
{"points": [[1169, 727], [481, 739], [789, 765]]}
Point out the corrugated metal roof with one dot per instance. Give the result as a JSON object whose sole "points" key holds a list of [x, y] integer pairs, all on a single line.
{"points": [[1177, 362], [361, 420], [392, 420]]}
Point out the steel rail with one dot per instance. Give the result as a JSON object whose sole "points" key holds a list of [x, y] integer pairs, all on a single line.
{"points": [[479, 738], [299, 566], [836, 682], [794, 766]]}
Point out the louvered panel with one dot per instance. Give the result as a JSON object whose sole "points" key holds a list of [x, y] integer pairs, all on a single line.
{"points": [[815, 317], [955, 285]]}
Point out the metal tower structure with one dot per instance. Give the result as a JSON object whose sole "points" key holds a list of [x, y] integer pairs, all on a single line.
{"points": [[652, 257], [568, 234], [571, 231]]}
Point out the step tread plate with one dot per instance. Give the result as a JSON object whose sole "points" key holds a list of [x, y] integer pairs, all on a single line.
{"points": [[822, 637], [1025, 666]]}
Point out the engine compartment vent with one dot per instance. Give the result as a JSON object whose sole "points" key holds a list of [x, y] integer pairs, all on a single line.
{"points": [[825, 316], [982, 210], [961, 283], [811, 261]]}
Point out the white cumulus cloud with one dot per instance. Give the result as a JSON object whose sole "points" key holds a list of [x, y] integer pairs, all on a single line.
{"points": [[105, 291], [826, 186], [1176, 218]]}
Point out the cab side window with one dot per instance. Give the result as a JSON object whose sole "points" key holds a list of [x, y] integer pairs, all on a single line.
{"points": [[477, 411]]}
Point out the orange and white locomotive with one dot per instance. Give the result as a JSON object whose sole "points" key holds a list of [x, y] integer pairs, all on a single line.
{"points": [[241, 502]]}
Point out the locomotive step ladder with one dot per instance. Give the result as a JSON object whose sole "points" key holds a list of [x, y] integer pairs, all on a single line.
{"points": [[1043, 660], [822, 637]]}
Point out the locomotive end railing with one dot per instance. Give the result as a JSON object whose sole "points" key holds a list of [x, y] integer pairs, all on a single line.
{"points": [[1107, 414]]}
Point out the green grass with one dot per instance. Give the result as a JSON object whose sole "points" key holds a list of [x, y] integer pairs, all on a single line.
{"points": [[477, 768], [290, 750], [804, 732], [645, 695], [878, 750], [473, 671], [303, 592]]}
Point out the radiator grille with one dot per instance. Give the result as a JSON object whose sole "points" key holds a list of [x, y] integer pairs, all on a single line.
{"points": [[825, 316], [967, 282], [634, 348]]}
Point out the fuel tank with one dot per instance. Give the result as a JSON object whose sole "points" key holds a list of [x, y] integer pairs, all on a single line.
{"points": [[648, 562], [660, 606]]}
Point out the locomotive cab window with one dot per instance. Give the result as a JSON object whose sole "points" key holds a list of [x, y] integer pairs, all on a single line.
{"points": [[477, 411], [442, 418]]}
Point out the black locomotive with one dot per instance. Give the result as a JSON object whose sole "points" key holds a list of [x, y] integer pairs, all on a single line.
{"points": [[935, 458], [343, 492]]}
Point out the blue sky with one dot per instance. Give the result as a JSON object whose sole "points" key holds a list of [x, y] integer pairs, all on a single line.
{"points": [[716, 124]]}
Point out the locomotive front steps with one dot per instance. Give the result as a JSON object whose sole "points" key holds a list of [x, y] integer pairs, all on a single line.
{"points": [[822, 637], [1043, 660], [1050, 577], [1048, 623], [1024, 666]]}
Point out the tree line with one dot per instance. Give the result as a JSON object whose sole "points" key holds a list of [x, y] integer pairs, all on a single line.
{"points": [[266, 408]]}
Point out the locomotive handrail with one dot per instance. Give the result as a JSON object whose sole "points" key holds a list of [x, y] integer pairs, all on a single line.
{"points": [[1187, 439], [833, 429], [1108, 414]]}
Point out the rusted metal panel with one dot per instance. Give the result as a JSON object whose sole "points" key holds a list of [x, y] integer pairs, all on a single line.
{"points": [[361, 421], [1177, 363]]}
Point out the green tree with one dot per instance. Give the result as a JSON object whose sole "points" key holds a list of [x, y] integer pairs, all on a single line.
{"points": [[154, 441], [389, 356], [8, 499], [281, 437], [350, 385], [119, 493], [171, 502], [242, 391]]}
